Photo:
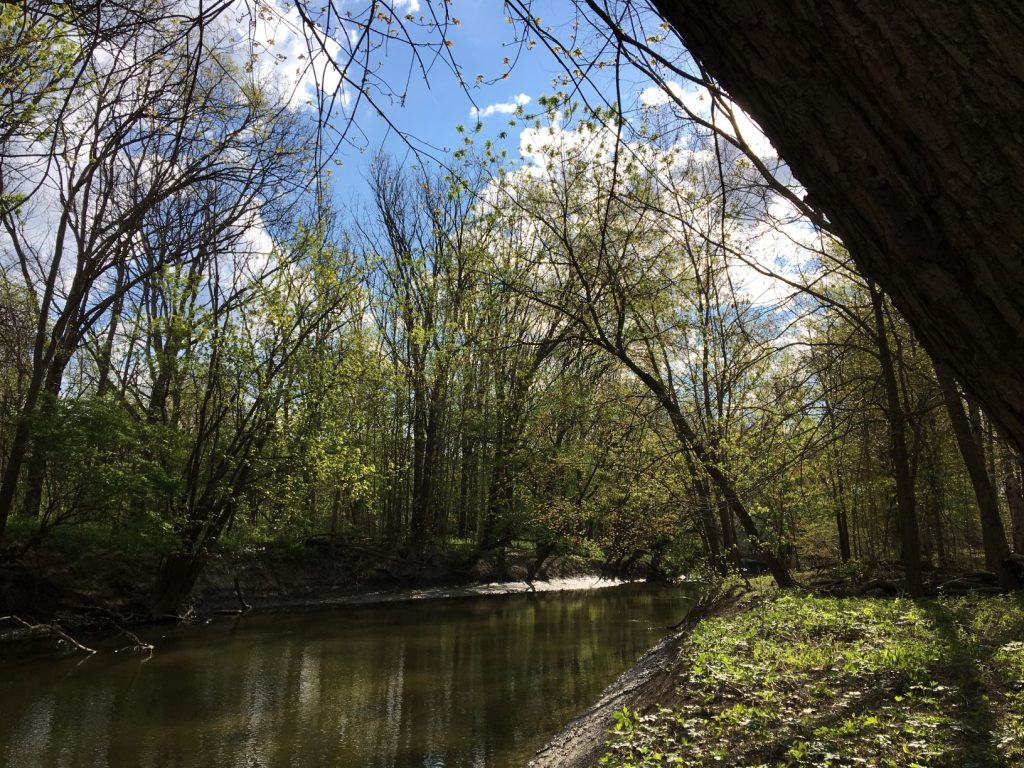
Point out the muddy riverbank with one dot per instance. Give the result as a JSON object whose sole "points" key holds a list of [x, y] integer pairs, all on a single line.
{"points": [[93, 591]]}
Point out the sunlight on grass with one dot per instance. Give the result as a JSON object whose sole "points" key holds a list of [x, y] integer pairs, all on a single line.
{"points": [[803, 681]]}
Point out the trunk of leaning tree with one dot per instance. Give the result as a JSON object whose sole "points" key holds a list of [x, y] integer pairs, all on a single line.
{"points": [[902, 120], [178, 575], [1015, 498], [993, 536], [729, 499]]}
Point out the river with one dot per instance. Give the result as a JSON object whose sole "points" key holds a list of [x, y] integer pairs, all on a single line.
{"points": [[445, 683]]}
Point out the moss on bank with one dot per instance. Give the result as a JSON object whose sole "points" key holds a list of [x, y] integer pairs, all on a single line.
{"points": [[804, 681]]}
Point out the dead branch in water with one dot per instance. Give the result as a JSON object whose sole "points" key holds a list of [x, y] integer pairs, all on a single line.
{"points": [[140, 644], [50, 628], [244, 606]]}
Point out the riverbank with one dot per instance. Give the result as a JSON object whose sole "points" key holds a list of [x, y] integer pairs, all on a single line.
{"points": [[87, 591], [789, 679], [447, 682]]}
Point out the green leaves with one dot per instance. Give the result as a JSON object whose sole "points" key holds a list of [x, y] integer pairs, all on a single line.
{"points": [[36, 55], [803, 681], [100, 473]]}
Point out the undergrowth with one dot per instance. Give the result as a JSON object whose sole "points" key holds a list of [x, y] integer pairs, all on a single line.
{"points": [[804, 681]]}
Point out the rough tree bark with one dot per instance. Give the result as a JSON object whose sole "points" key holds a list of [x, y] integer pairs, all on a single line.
{"points": [[902, 120]]}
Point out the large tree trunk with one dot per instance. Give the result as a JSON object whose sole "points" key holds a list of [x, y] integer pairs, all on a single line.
{"points": [[902, 119], [20, 445], [177, 576]]}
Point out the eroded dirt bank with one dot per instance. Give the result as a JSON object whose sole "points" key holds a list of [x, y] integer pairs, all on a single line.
{"points": [[88, 591], [582, 742]]}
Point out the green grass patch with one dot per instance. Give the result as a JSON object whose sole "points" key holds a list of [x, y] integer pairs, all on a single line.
{"points": [[803, 681]]}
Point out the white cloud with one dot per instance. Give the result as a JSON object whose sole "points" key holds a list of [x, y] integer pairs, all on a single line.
{"points": [[504, 108], [750, 133], [299, 61], [768, 238], [698, 101], [544, 147], [779, 243]]}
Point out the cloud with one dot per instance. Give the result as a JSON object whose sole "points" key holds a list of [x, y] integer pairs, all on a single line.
{"points": [[544, 148], [504, 108], [300, 61], [698, 102]]}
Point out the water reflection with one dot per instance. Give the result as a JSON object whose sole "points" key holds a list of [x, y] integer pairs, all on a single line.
{"points": [[462, 682]]}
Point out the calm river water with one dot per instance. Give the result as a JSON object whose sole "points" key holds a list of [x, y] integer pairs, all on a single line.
{"points": [[481, 681]]}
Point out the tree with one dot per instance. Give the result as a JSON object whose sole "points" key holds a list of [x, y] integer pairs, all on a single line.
{"points": [[425, 254], [876, 109], [906, 505], [993, 535], [252, 356], [900, 120], [613, 265], [154, 143]]}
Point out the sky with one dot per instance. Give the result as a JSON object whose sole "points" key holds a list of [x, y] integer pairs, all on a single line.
{"points": [[429, 109], [432, 107]]}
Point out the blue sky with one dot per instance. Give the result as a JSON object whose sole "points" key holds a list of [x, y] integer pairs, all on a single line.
{"points": [[432, 109]]}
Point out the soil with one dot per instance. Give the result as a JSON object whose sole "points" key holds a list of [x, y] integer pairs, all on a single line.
{"points": [[100, 590], [582, 742]]}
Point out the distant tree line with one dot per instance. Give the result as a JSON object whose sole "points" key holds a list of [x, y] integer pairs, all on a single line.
{"points": [[197, 348]]}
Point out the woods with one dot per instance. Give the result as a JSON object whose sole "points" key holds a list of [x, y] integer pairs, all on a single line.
{"points": [[878, 110], [574, 352], [725, 298]]}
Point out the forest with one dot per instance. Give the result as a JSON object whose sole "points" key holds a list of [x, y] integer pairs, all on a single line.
{"points": [[197, 347], [611, 332]]}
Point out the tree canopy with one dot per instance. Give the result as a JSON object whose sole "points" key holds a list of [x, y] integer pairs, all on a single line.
{"points": [[638, 342]]}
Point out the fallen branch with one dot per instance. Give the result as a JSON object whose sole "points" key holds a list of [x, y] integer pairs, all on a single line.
{"points": [[244, 606], [52, 629], [140, 644]]}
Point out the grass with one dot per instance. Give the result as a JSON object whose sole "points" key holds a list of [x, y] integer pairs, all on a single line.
{"points": [[794, 680]]}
